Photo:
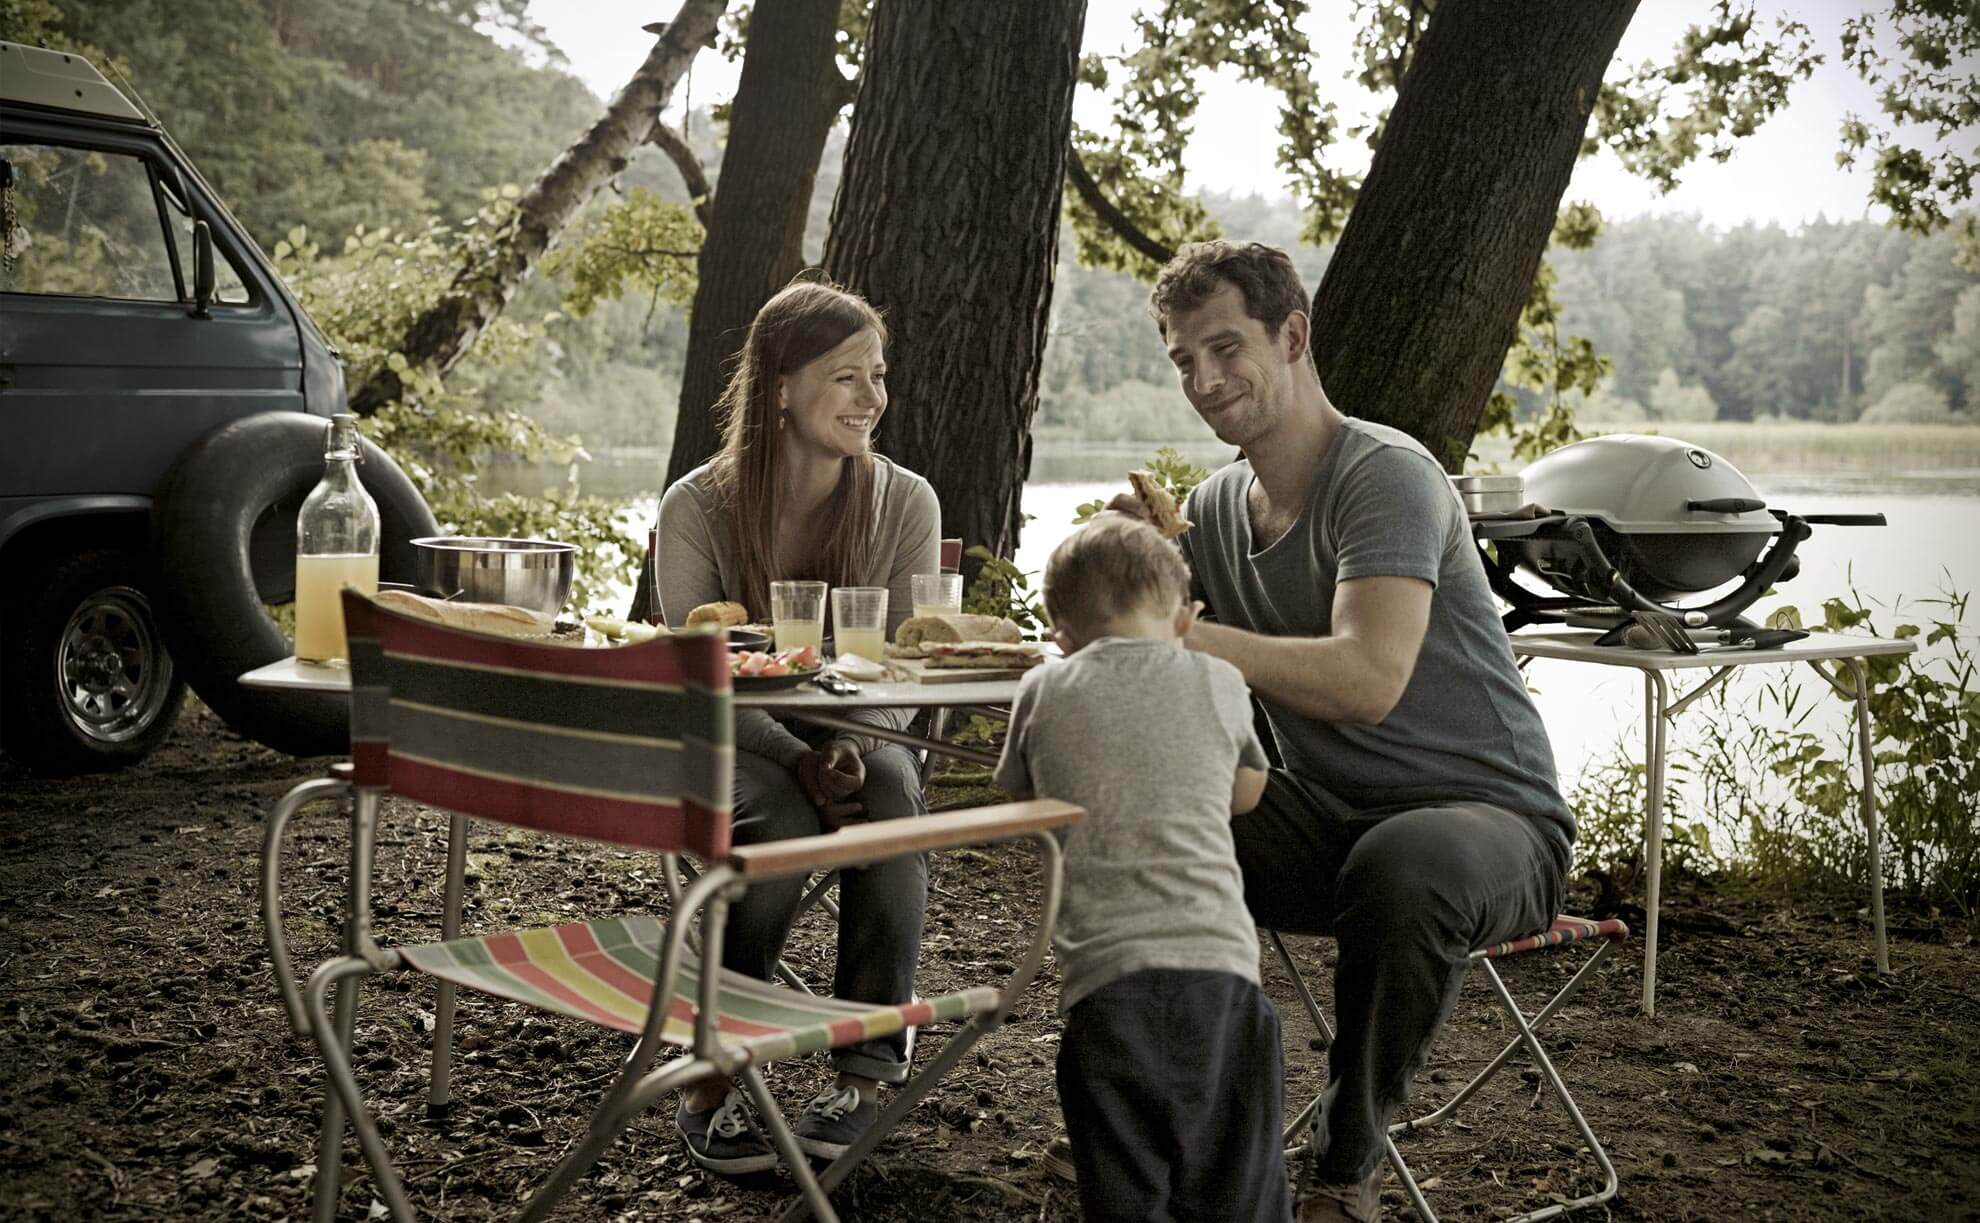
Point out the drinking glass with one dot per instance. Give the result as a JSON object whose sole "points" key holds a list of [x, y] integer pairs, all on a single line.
{"points": [[937, 593], [797, 614], [859, 621]]}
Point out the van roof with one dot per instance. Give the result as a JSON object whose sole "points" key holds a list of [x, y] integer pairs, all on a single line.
{"points": [[60, 80]]}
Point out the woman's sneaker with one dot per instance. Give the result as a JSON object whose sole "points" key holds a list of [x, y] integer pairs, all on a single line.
{"points": [[833, 1121], [725, 1138]]}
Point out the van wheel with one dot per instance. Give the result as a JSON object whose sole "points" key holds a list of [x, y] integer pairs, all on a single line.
{"points": [[88, 682]]}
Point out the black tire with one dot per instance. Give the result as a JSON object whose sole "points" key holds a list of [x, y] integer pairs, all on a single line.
{"points": [[88, 681], [223, 538]]}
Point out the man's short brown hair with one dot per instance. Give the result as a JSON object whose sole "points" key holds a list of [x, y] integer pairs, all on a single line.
{"points": [[1113, 565], [1263, 274]]}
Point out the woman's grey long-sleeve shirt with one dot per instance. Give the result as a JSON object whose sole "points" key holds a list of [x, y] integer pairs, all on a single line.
{"points": [[697, 564]]}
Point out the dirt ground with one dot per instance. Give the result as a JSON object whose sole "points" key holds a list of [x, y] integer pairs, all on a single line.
{"points": [[146, 1071]]}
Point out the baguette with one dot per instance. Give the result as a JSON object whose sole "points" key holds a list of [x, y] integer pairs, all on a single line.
{"points": [[717, 615], [919, 631], [1163, 512], [496, 619]]}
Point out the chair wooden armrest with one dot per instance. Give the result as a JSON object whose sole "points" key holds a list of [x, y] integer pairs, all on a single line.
{"points": [[858, 844]]}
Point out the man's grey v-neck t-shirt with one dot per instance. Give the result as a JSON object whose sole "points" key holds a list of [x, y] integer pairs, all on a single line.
{"points": [[1380, 506]]}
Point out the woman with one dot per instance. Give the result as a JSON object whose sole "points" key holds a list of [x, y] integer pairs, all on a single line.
{"points": [[797, 492]]}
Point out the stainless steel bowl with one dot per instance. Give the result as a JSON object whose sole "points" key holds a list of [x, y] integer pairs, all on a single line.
{"points": [[532, 573], [1490, 494]]}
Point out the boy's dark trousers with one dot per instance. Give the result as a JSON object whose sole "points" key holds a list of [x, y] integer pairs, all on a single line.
{"points": [[1173, 1092]]}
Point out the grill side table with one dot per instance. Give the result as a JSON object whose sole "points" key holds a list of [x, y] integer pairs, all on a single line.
{"points": [[1660, 710]]}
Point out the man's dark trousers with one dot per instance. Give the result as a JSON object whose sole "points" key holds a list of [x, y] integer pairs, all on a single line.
{"points": [[1407, 895]]}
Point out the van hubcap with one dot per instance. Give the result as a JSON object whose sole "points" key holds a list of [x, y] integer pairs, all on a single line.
{"points": [[113, 671]]}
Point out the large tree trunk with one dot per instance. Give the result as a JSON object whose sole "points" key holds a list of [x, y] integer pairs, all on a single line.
{"points": [[438, 338], [947, 219], [789, 93], [1422, 298]]}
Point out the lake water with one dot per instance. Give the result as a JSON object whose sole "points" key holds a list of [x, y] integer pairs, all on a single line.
{"points": [[1928, 546]]}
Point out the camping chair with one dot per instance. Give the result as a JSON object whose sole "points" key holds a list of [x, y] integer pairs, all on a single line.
{"points": [[630, 746], [1564, 930]]}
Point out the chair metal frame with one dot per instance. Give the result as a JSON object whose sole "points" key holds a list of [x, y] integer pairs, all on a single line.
{"points": [[1528, 1027], [639, 1083]]}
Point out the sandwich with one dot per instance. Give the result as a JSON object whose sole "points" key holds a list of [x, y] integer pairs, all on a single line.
{"points": [[999, 654], [717, 616], [1162, 509], [918, 632]]}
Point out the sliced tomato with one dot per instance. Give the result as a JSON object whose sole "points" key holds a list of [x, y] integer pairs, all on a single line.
{"points": [[776, 666], [752, 663]]}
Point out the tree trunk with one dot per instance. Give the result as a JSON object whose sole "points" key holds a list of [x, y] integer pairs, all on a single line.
{"points": [[438, 338], [1422, 298], [947, 219], [789, 93]]}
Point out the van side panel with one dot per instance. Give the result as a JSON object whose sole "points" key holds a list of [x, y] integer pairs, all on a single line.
{"points": [[103, 396]]}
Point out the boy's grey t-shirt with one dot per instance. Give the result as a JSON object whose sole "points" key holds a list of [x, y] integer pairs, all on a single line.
{"points": [[1465, 728], [1147, 736]]}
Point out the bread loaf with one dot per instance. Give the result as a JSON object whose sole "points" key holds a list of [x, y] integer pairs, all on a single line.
{"points": [[950, 627], [717, 615], [499, 619]]}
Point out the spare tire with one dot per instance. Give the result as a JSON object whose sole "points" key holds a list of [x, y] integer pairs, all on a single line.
{"points": [[219, 519]]}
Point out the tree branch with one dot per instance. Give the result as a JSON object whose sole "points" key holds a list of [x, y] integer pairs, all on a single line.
{"points": [[1118, 221], [435, 340], [670, 142]]}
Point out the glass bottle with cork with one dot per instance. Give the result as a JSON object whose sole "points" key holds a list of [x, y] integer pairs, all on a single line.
{"points": [[336, 546]]}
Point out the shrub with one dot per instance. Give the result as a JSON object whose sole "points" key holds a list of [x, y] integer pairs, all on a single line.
{"points": [[1910, 403], [1779, 791]]}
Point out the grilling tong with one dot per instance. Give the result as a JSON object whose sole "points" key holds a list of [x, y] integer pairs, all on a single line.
{"points": [[1660, 631]]}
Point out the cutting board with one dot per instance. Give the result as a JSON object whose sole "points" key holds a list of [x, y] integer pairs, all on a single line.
{"points": [[924, 671]]}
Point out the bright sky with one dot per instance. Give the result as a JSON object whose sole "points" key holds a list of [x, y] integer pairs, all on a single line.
{"points": [[1786, 172]]}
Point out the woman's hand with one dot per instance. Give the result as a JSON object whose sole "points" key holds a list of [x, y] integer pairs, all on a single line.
{"points": [[830, 778]]}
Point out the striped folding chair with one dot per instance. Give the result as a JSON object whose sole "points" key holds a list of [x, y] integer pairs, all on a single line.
{"points": [[1608, 935], [631, 746]]}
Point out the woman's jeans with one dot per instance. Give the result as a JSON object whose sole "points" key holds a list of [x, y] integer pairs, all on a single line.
{"points": [[880, 906]]}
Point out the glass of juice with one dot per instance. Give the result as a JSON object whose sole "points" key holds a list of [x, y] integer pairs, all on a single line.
{"points": [[797, 614], [859, 621], [937, 594]]}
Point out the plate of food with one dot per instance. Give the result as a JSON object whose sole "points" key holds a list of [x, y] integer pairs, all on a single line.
{"points": [[764, 671]]}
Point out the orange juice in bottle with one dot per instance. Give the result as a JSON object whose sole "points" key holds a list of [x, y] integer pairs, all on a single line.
{"points": [[336, 546]]}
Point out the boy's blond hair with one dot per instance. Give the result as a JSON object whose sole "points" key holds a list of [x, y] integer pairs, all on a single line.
{"points": [[1114, 565]]}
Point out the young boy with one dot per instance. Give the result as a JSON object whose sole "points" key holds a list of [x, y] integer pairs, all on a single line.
{"points": [[1169, 1068]]}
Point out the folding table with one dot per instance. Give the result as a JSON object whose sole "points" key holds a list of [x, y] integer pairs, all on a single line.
{"points": [[1660, 709]]}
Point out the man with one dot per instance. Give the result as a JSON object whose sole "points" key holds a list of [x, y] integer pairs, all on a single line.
{"points": [[1417, 814]]}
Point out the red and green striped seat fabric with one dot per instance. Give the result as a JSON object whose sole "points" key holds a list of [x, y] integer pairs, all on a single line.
{"points": [[632, 745], [1564, 930], [603, 972], [371, 698]]}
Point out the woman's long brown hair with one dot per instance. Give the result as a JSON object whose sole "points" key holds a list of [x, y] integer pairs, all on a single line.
{"points": [[800, 324]]}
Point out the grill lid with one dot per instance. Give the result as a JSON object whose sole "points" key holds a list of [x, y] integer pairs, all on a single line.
{"points": [[1643, 485]]}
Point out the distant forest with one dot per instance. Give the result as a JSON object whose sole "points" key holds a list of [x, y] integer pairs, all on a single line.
{"points": [[388, 113]]}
